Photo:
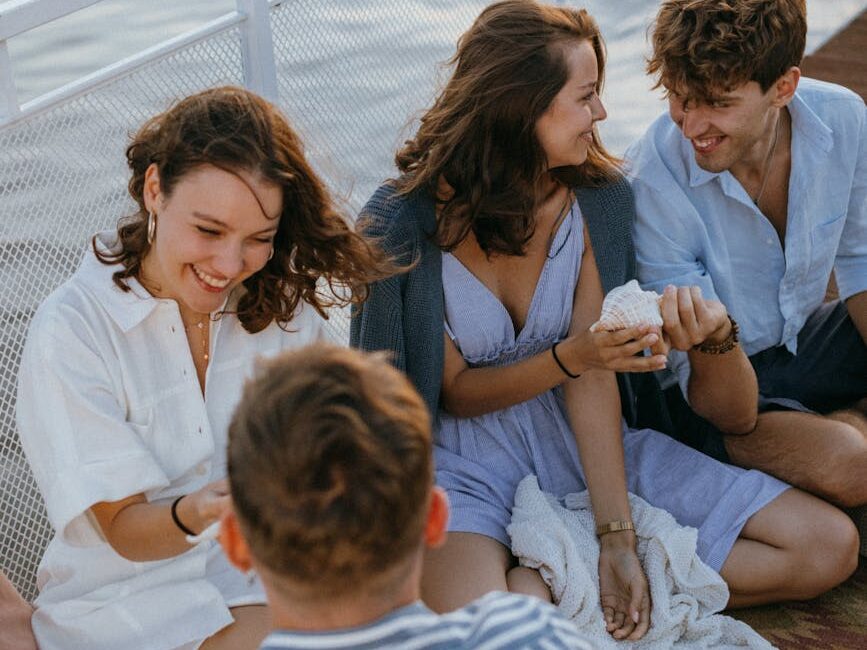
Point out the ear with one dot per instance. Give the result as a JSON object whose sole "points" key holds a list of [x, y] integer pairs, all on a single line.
{"points": [[437, 518], [785, 87], [153, 196], [233, 543]]}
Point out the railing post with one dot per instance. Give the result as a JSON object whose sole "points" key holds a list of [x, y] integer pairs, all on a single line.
{"points": [[8, 95], [260, 71]]}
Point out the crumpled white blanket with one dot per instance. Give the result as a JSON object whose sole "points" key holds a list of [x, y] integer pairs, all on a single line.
{"points": [[561, 543]]}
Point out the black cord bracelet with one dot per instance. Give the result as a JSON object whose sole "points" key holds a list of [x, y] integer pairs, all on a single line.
{"points": [[177, 519], [560, 363]]}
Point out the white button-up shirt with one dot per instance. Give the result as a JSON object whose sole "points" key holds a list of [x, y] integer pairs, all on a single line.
{"points": [[109, 405]]}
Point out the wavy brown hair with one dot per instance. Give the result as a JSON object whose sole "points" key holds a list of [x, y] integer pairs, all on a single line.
{"points": [[479, 135], [236, 130], [330, 467], [705, 48]]}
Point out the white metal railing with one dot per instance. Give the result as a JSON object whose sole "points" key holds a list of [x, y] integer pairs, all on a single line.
{"points": [[19, 16]]}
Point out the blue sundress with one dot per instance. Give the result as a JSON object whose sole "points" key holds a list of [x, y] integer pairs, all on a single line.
{"points": [[481, 460]]}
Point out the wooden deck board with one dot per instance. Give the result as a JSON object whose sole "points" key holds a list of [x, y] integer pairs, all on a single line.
{"points": [[843, 59]]}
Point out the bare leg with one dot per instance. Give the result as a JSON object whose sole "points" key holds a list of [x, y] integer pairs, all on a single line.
{"points": [[823, 455], [795, 548], [856, 416], [466, 567], [15, 612], [523, 580], [251, 625]]}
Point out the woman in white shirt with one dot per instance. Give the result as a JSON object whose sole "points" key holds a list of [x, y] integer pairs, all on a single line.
{"points": [[132, 368]]}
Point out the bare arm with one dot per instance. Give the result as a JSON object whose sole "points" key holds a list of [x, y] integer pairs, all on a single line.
{"points": [[593, 409], [468, 392], [857, 306], [143, 532], [722, 387]]}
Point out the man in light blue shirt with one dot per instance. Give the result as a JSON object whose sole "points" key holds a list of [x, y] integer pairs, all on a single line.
{"points": [[752, 188], [331, 476]]}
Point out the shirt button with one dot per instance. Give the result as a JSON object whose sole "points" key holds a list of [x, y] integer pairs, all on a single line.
{"points": [[201, 469], [769, 241]]}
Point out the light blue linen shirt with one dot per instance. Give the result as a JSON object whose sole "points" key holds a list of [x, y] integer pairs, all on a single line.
{"points": [[695, 227]]}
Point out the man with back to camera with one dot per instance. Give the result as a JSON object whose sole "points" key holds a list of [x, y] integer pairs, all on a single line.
{"points": [[331, 478], [751, 189]]}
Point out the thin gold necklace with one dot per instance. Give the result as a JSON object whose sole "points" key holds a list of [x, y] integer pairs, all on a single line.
{"points": [[202, 335], [769, 161]]}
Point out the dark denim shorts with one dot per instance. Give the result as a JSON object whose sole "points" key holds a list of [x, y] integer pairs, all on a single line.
{"points": [[828, 373]]}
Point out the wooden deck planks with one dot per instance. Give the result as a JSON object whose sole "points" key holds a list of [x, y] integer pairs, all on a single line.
{"points": [[843, 59]]}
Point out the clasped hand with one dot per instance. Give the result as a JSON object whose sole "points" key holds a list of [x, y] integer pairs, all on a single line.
{"points": [[623, 588]]}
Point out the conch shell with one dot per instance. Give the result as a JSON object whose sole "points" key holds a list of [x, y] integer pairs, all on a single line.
{"points": [[628, 306]]}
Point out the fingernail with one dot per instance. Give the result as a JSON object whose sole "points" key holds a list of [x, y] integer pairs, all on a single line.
{"points": [[669, 288], [635, 616], [653, 338]]}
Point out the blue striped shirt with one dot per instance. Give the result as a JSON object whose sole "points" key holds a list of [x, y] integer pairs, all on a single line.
{"points": [[496, 621]]}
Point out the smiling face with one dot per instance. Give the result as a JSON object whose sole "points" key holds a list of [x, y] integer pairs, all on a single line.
{"points": [[213, 231], [565, 129], [731, 129]]}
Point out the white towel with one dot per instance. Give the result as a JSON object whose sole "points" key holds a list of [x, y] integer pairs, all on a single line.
{"points": [[561, 543]]}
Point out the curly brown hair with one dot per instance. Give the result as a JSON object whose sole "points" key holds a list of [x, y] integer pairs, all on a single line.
{"points": [[479, 135], [330, 467], [705, 48], [234, 129]]}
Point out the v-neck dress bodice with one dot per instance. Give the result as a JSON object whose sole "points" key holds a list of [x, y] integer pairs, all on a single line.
{"points": [[481, 460], [469, 303]]}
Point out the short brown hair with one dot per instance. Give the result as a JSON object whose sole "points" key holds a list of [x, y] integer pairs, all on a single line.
{"points": [[480, 133], [704, 48], [330, 467], [234, 129]]}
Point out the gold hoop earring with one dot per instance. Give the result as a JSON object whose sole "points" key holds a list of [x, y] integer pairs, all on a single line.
{"points": [[152, 227]]}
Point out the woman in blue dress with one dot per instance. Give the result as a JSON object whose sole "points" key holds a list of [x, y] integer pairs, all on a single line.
{"points": [[517, 222]]}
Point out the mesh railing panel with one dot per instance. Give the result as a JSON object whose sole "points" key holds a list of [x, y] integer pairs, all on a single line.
{"points": [[352, 80], [63, 178]]}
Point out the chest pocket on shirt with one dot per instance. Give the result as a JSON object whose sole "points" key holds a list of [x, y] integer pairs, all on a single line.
{"points": [[824, 240], [177, 445]]}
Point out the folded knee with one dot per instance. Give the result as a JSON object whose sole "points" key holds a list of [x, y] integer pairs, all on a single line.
{"points": [[827, 556]]}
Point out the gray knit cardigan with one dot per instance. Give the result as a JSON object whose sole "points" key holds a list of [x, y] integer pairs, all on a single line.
{"points": [[404, 314]]}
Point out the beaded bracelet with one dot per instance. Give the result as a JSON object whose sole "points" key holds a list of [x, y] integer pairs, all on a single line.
{"points": [[728, 344]]}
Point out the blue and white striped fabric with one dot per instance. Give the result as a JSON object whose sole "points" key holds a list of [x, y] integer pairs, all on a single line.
{"points": [[498, 621]]}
